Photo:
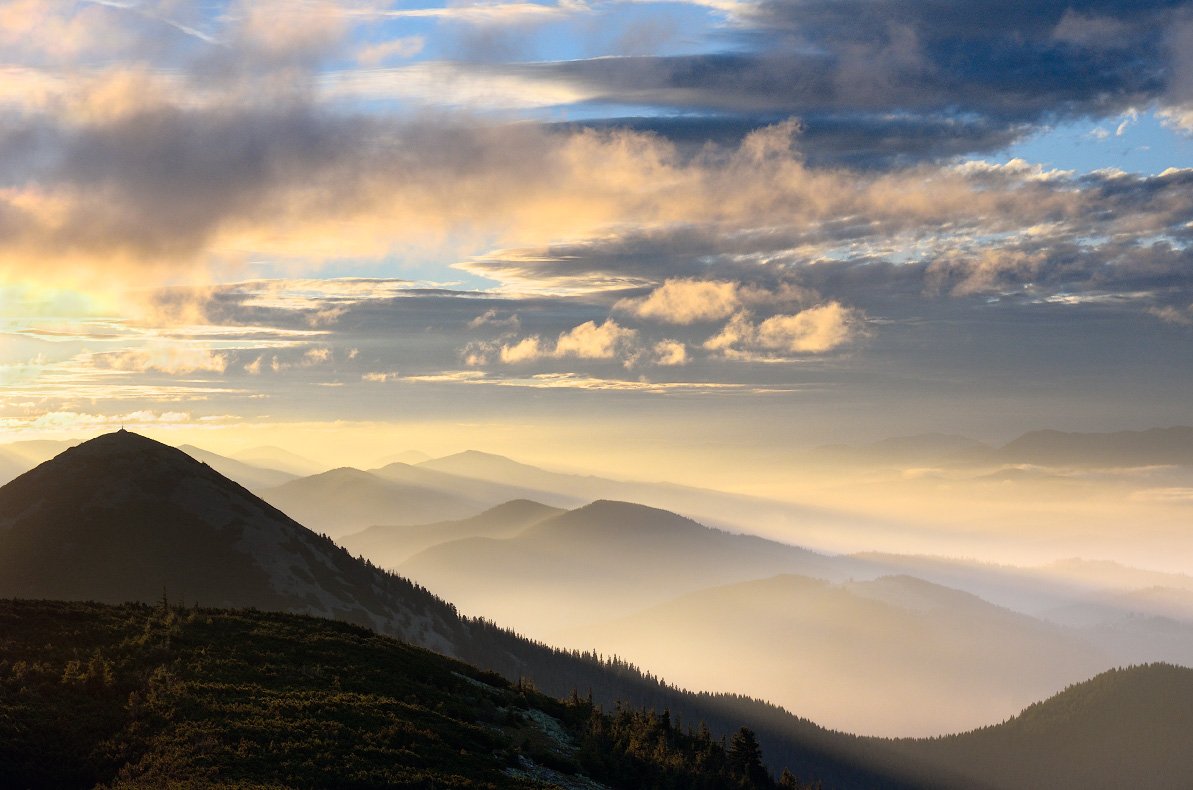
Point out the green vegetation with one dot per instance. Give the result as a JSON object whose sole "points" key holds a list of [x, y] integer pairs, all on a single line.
{"points": [[144, 696]]}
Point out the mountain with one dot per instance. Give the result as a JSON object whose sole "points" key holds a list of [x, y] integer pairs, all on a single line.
{"points": [[1048, 448], [730, 511], [1124, 728], [390, 546], [1153, 602], [1122, 448], [1107, 574], [475, 488], [251, 477], [343, 501], [124, 518], [277, 458], [892, 656], [165, 696], [596, 562], [405, 457]]}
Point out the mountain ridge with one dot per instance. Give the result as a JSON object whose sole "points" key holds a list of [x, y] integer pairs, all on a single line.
{"points": [[162, 517]]}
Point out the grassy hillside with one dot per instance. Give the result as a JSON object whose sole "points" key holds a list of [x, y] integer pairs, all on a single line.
{"points": [[1124, 728], [150, 696]]}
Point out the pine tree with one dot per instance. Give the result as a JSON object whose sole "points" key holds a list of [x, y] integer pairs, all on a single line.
{"points": [[745, 756]]}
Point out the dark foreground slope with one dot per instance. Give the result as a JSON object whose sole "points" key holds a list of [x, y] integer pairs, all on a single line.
{"points": [[122, 518], [142, 696], [1124, 728]]}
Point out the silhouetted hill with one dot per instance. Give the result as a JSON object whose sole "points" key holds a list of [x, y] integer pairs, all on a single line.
{"points": [[122, 517], [346, 500], [141, 696], [596, 562], [390, 546], [1124, 728]]}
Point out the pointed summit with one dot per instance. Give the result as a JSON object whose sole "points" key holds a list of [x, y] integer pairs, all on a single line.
{"points": [[122, 517]]}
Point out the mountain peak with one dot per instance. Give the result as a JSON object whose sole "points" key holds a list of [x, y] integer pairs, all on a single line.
{"points": [[116, 456], [123, 517]]}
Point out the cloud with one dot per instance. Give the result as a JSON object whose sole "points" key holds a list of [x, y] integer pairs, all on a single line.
{"points": [[401, 47], [685, 302], [527, 349], [1173, 315], [595, 341], [493, 318], [670, 352], [77, 421], [816, 330], [166, 359], [604, 341], [492, 13], [579, 381]]}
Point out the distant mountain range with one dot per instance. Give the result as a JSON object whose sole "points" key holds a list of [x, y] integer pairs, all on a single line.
{"points": [[347, 500], [124, 518], [1047, 448], [904, 656], [590, 563], [390, 546]]}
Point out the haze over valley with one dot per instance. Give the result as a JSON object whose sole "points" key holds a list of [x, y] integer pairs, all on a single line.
{"points": [[713, 394], [874, 643]]}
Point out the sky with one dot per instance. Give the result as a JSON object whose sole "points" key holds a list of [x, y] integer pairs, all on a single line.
{"points": [[618, 234]]}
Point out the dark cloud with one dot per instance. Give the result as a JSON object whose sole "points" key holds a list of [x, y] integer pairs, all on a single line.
{"points": [[880, 80], [875, 141], [1108, 237]]}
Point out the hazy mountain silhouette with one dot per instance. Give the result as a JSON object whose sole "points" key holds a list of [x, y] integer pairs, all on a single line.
{"points": [[1121, 448], [403, 457], [892, 656], [390, 546], [252, 477], [278, 458], [346, 500], [716, 508], [1164, 602], [1124, 728], [596, 562], [1030, 589], [1047, 448], [478, 489]]}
